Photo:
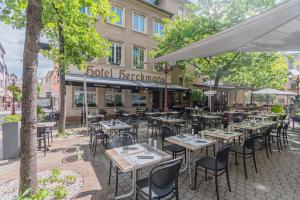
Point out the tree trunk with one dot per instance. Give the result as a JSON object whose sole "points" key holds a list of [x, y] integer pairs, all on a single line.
{"points": [[62, 85], [28, 164], [62, 104], [214, 97]]}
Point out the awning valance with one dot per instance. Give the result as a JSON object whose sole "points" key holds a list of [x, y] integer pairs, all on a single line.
{"points": [[92, 81]]}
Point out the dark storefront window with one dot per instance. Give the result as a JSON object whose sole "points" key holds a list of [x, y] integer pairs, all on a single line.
{"points": [[137, 98], [79, 96], [113, 97]]}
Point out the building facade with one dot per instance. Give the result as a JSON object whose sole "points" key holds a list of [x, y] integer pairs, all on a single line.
{"points": [[4, 78], [126, 79]]}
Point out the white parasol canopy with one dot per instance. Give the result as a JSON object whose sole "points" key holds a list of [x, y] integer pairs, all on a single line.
{"points": [[275, 30], [271, 91]]}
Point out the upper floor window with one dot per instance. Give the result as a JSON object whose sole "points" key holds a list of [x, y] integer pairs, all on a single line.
{"points": [[115, 57], [119, 11], [138, 57], [158, 28], [181, 9], [139, 23]]}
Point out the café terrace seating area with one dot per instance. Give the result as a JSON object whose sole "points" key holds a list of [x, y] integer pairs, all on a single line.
{"points": [[187, 153]]}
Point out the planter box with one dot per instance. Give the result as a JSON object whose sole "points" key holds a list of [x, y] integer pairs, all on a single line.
{"points": [[10, 140]]}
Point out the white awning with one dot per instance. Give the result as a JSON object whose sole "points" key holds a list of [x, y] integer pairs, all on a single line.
{"points": [[274, 92], [274, 30]]}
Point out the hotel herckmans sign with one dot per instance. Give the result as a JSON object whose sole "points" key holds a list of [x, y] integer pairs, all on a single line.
{"points": [[125, 73]]}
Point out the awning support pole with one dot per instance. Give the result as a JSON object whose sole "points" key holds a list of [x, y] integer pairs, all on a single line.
{"points": [[166, 87], [86, 103]]}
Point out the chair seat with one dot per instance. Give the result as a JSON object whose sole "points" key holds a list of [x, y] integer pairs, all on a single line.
{"points": [[143, 186], [174, 148], [209, 163], [274, 134], [102, 136], [239, 149]]}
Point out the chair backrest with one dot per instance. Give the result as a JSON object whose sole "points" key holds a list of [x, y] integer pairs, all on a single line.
{"points": [[249, 143], [167, 132], [164, 175], [286, 127], [222, 154], [120, 140], [197, 128], [41, 131]]}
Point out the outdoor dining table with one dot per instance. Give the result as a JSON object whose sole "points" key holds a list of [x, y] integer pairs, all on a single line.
{"points": [[253, 127], [221, 135], [260, 117], [114, 125], [46, 124], [133, 158], [192, 144], [96, 116]]}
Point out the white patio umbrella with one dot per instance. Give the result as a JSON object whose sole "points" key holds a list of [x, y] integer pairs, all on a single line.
{"points": [[269, 91], [275, 30]]}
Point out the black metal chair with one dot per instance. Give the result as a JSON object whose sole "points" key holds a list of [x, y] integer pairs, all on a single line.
{"points": [[245, 151], [96, 134], [277, 134], [265, 139], [285, 133], [216, 166], [151, 124], [42, 137], [162, 182], [173, 149], [115, 141]]}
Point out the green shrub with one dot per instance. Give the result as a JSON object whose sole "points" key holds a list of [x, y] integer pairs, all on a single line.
{"points": [[12, 118], [60, 192], [277, 109]]}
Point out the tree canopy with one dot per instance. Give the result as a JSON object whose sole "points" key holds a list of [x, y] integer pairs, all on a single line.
{"points": [[212, 16]]}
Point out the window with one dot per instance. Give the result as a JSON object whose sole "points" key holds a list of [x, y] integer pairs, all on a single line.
{"points": [[138, 57], [113, 97], [139, 23], [119, 11], [79, 96], [116, 54], [180, 81], [138, 99], [181, 10], [158, 28]]}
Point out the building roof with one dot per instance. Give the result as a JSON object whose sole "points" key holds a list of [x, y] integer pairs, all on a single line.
{"points": [[157, 7]]}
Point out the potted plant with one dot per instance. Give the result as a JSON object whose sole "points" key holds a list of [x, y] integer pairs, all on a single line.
{"points": [[11, 136]]}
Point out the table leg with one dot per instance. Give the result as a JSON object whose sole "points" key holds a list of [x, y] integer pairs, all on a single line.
{"points": [[190, 168], [133, 191], [187, 161]]}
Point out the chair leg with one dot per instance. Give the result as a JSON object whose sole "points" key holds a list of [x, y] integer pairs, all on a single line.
{"points": [[216, 182], [254, 161], [245, 168], [45, 146], [266, 147], [205, 174], [269, 143], [95, 146], [235, 158], [227, 177], [195, 179], [286, 138], [109, 175], [278, 145], [117, 182]]}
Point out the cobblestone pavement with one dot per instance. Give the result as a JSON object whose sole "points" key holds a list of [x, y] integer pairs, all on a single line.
{"points": [[277, 177]]}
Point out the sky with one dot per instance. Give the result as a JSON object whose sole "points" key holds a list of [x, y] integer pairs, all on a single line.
{"points": [[13, 42]]}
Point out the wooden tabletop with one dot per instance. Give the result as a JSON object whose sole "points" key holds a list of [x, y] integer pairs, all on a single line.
{"points": [[258, 117], [170, 120], [221, 134], [109, 125], [190, 142], [95, 116], [126, 165], [209, 117], [253, 127], [46, 124]]}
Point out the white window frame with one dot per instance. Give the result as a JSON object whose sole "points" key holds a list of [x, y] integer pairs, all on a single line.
{"points": [[145, 24], [123, 16], [159, 22], [145, 56], [122, 54]]}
